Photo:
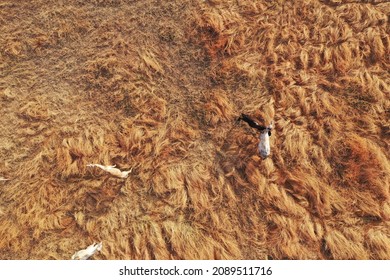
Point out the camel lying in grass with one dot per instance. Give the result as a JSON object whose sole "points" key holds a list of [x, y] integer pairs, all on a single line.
{"points": [[112, 170], [87, 252]]}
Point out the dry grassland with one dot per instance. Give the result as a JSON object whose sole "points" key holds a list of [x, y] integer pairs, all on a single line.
{"points": [[157, 86]]}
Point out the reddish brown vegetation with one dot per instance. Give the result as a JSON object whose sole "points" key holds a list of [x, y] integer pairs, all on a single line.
{"points": [[157, 86]]}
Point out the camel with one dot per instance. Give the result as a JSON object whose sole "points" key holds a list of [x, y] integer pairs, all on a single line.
{"points": [[112, 170], [265, 133], [87, 252]]}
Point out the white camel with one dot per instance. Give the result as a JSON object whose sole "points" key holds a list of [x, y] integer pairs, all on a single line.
{"points": [[87, 252], [265, 133], [112, 170]]}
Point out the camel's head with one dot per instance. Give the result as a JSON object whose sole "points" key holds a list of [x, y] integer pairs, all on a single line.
{"points": [[125, 174]]}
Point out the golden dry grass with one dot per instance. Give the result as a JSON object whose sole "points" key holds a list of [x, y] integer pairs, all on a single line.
{"points": [[157, 86]]}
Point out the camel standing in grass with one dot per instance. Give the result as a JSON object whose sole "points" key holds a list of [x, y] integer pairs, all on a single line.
{"points": [[265, 133]]}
